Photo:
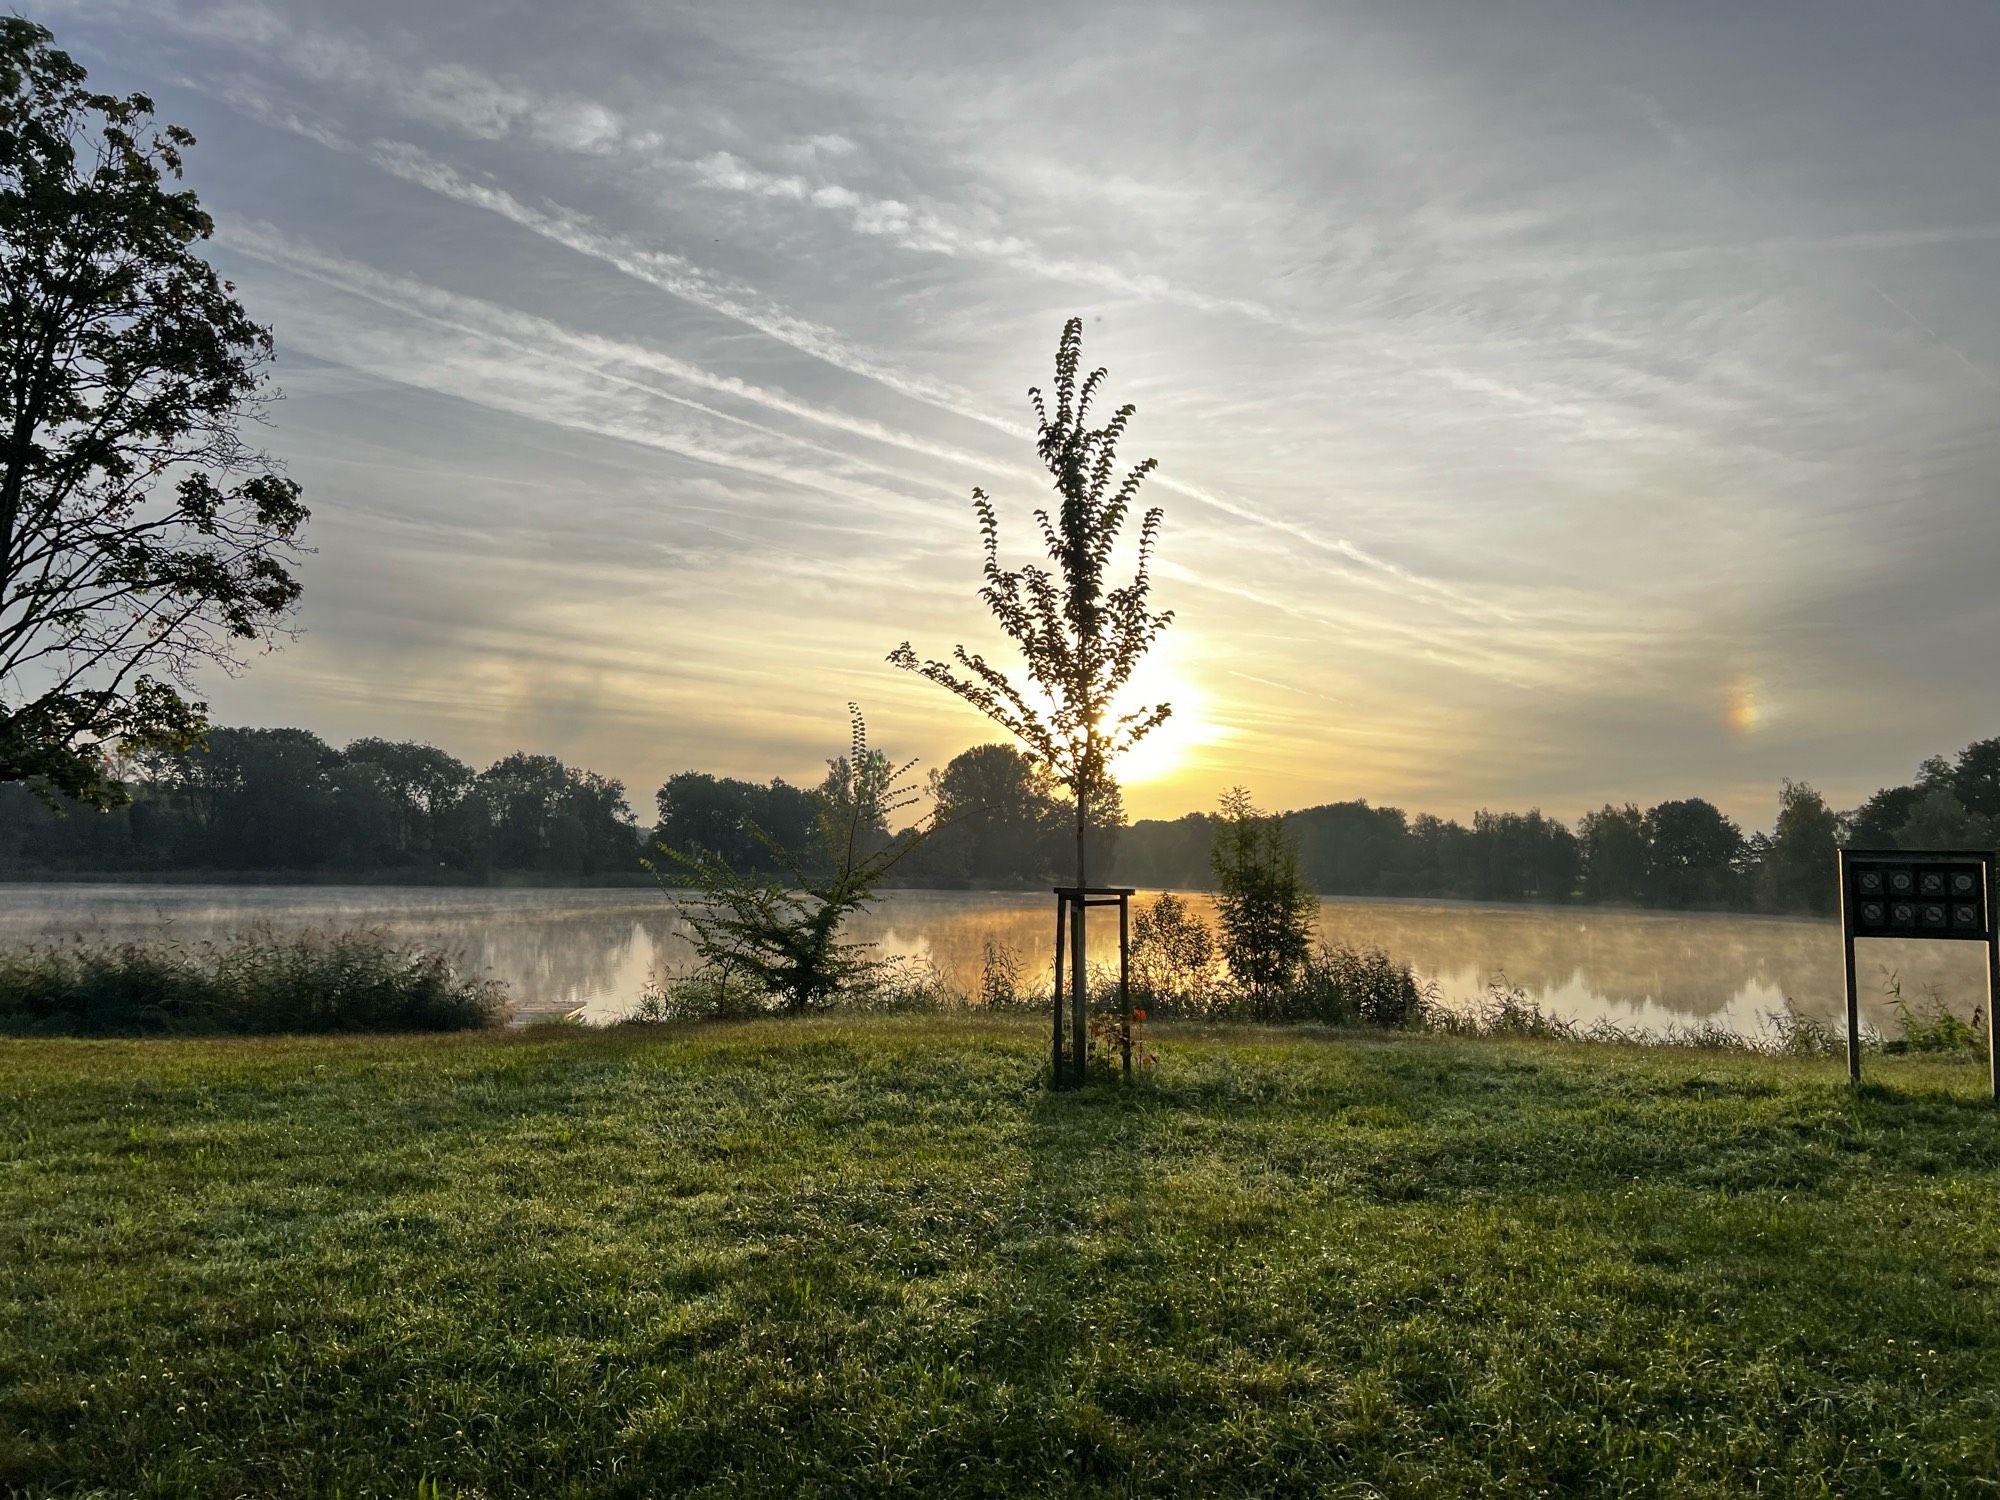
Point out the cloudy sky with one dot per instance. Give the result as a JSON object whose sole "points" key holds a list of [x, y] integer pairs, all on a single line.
{"points": [[1554, 401]]}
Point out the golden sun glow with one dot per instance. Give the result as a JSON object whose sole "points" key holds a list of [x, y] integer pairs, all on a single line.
{"points": [[1170, 749]]}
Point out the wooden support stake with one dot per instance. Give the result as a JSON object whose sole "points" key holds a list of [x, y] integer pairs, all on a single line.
{"points": [[1125, 977], [1079, 993], [1853, 995], [1992, 979], [1056, 1052]]}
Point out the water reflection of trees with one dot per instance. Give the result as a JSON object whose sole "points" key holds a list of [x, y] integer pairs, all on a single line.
{"points": [[1692, 965], [560, 949]]}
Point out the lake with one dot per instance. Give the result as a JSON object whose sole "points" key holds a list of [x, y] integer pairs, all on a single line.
{"points": [[562, 950]]}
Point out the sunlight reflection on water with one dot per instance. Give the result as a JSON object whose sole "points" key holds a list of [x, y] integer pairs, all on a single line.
{"points": [[594, 949]]}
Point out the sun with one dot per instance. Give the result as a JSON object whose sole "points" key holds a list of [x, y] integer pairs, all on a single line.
{"points": [[1170, 749]]}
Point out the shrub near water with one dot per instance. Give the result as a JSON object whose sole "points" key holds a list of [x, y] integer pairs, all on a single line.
{"points": [[257, 982]]}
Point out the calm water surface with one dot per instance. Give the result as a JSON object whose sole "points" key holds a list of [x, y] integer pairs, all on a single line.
{"points": [[595, 949]]}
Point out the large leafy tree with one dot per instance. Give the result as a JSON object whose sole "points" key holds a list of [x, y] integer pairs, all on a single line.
{"points": [[1797, 871], [1614, 853], [422, 785], [1692, 854], [1007, 824], [532, 812], [140, 535], [729, 821]]}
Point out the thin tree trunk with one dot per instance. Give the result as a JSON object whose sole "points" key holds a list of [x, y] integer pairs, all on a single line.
{"points": [[1079, 969]]}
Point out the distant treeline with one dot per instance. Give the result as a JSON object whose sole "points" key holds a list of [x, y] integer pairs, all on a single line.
{"points": [[283, 801], [1681, 854]]}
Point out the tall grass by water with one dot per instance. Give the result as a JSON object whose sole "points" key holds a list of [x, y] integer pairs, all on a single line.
{"points": [[1339, 986], [256, 982]]}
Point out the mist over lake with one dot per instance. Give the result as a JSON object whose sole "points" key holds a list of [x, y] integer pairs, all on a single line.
{"points": [[561, 950]]}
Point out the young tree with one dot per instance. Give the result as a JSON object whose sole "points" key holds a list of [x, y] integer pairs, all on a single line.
{"points": [[1173, 954], [1079, 641], [140, 536], [1268, 912], [783, 937]]}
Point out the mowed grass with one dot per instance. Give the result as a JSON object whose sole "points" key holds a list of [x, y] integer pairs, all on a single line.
{"points": [[875, 1257]]}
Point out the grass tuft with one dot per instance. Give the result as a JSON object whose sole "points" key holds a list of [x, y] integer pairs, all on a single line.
{"points": [[257, 982]]}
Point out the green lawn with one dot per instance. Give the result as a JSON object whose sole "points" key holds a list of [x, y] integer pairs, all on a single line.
{"points": [[873, 1257]]}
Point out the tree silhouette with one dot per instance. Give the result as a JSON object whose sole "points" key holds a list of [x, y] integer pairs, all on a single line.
{"points": [[140, 536], [1079, 641], [1267, 911], [783, 936]]}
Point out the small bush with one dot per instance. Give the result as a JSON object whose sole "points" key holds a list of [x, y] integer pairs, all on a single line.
{"points": [[1341, 986], [1930, 1025], [1001, 985], [1174, 959], [713, 992], [254, 983], [1507, 1010], [1793, 1034], [904, 986], [710, 992]]}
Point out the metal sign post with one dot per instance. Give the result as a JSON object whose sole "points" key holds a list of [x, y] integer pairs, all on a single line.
{"points": [[1905, 893]]}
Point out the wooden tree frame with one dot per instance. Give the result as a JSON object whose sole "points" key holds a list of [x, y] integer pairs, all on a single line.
{"points": [[1072, 902]]}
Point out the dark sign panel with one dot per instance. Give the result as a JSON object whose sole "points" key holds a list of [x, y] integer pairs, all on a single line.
{"points": [[1916, 895], [1904, 893]]}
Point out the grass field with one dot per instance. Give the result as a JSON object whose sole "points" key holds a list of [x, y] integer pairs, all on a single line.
{"points": [[874, 1257]]}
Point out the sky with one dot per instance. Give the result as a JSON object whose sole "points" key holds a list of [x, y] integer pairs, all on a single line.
{"points": [[1554, 403]]}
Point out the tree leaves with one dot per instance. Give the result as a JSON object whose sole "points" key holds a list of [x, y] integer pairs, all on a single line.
{"points": [[1079, 643], [140, 536]]}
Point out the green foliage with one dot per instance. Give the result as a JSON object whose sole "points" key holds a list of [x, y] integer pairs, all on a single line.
{"points": [[1614, 852], [717, 816], [1523, 856], [1174, 958], [1338, 985], [709, 992], [1687, 854], [258, 982], [1001, 985], [1952, 804], [1938, 820], [846, 1257], [782, 938], [140, 536], [1693, 852], [1006, 820], [1877, 822], [285, 800], [713, 992], [1794, 1033], [1079, 641], [532, 812], [1266, 910], [1930, 1025], [1797, 870]]}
